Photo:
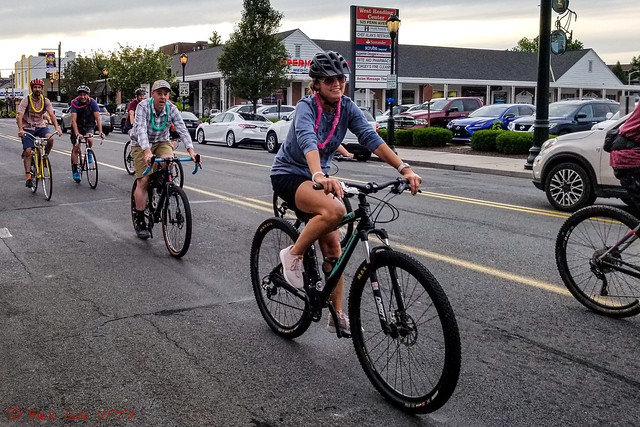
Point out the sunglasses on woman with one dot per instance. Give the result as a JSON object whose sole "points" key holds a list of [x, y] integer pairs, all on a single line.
{"points": [[331, 80]]}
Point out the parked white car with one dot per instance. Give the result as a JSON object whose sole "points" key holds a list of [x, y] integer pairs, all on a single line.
{"points": [[277, 133], [271, 111], [573, 169], [233, 129], [383, 118]]}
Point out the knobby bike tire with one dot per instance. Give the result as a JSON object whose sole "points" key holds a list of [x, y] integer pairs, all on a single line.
{"points": [[286, 314], [34, 174], [586, 234], [128, 159], [176, 222], [177, 174], [280, 209], [91, 168], [47, 178], [416, 366]]}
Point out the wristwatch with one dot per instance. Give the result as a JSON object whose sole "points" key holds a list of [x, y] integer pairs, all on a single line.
{"points": [[402, 166]]}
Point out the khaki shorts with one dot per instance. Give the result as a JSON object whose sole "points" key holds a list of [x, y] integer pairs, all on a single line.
{"points": [[159, 149]]}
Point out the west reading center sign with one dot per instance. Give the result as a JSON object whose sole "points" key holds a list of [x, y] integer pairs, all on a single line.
{"points": [[371, 46]]}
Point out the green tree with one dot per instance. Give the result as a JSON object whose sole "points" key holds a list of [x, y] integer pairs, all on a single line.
{"points": [[215, 39], [84, 70], [531, 45], [132, 67], [252, 60], [619, 72]]}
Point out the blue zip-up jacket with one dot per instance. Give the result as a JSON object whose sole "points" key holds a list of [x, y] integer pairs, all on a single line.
{"points": [[301, 137]]}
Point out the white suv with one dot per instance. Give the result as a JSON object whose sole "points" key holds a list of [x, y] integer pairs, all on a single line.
{"points": [[573, 169]]}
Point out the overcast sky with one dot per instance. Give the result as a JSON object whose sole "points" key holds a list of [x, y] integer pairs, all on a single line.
{"points": [[610, 28]]}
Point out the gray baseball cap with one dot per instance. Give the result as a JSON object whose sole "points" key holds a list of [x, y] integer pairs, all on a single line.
{"points": [[158, 84]]}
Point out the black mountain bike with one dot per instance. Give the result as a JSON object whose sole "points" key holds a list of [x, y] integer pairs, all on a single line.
{"points": [[176, 168], [404, 330], [167, 203], [598, 257]]}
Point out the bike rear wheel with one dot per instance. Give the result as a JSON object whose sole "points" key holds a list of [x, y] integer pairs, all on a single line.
{"points": [[91, 167], [286, 314], [34, 174], [47, 178], [128, 159], [176, 222], [592, 279], [415, 365]]}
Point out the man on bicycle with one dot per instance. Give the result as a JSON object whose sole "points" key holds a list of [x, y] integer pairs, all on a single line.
{"points": [[320, 123], [30, 119], [85, 114], [150, 137], [131, 109], [625, 156]]}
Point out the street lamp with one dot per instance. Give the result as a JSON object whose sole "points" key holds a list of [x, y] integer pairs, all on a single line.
{"points": [[629, 76], [105, 73], [393, 25], [183, 60]]}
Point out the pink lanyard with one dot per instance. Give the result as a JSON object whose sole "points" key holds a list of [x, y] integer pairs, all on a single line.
{"points": [[336, 119], [78, 107]]}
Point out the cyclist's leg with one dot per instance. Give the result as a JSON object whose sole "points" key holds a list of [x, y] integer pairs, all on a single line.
{"points": [[75, 154], [331, 251], [48, 135], [326, 210], [27, 149], [630, 181]]}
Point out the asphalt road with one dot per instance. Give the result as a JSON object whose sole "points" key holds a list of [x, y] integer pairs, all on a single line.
{"points": [[99, 324]]}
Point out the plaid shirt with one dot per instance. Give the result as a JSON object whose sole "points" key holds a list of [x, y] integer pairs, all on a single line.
{"points": [[143, 134]]}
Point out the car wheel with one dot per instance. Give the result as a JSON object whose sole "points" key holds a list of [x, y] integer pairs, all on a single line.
{"points": [[362, 157], [200, 137], [231, 139], [64, 129], [123, 126], [106, 131], [271, 144], [568, 187]]}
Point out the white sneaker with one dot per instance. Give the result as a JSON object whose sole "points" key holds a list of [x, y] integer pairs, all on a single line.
{"points": [[343, 324], [292, 268]]}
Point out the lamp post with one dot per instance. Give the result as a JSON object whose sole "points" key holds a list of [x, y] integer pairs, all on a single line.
{"points": [[183, 60], [6, 100], [393, 25], [105, 73]]}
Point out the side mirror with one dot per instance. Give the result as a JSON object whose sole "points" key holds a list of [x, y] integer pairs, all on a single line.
{"points": [[452, 110], [609, 115], [509, 116], [581, 116]]}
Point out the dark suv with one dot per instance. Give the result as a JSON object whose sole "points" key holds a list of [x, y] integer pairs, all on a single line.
{"points": [[570, 116], [438, 112]]}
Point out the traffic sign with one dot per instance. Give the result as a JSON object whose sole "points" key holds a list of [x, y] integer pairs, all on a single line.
{"points": [[184, 89]]}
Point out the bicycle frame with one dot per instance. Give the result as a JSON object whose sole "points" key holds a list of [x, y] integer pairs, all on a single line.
{"points": [[318, 295]]}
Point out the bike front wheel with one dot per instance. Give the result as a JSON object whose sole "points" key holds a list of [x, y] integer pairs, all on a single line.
{"points": [[91, 167], [176, 222], [415, 363], [177, 173], [47, 178], [128, 159], [588, 266], [286, 314]]}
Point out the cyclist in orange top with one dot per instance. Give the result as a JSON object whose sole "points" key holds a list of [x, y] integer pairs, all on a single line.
{"points": [[31, 114]]}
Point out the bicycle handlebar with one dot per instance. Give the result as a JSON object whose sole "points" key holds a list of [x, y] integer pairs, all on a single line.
{"points": [[399, 185], [173, 159]]}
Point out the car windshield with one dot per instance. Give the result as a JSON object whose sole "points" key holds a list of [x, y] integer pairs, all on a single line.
{"points": [[488, 111], [368, 116], [561, 110], [253, 117], [435, 105], [188, 115], [102, 108], [59, 105]]}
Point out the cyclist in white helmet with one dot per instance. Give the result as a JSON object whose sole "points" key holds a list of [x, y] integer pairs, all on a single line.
{"points": [[85, 114]]}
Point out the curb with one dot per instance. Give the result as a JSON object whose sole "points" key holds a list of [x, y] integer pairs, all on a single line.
{"points": [[463, 168]]}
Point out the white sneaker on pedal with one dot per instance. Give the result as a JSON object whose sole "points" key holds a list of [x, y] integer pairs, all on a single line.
{"points": [[292, 268], [343, 324]]}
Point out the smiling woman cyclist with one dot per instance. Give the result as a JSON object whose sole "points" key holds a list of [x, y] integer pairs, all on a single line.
{"points": [[319, 126]]}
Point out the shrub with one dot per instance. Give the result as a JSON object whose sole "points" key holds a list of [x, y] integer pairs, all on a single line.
{"points": [[514, 142], [431, 137], [403, 137], [383, 134], [484, 140]]}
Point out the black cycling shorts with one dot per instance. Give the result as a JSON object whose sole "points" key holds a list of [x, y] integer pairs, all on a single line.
{"points": [[285, 186]]}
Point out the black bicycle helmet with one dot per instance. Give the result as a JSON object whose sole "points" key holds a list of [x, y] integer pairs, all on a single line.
{"points": [[140, 91], [83, 88], [328, 64]]}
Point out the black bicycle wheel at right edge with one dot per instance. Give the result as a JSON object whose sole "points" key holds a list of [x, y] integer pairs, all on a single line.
{"points": [[415, 365], [176, 222], [592, 277]]}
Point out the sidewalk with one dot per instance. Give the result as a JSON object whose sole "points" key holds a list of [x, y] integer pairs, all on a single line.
{"points": [[463, 162]]}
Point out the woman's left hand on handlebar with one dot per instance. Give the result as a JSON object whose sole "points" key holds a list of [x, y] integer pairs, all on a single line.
{"points": [[330, 185]]}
